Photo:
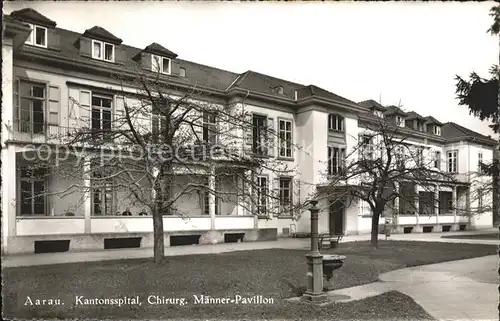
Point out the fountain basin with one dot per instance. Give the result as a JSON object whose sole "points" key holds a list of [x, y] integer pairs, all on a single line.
{"points": [[331, 262]]}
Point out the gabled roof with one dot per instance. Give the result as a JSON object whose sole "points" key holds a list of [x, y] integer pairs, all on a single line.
{"points": [[413, 115], [432, 120], [393, 110], [156, 48], [102, 34], [453, 131], [33, 16], [372, 105]]}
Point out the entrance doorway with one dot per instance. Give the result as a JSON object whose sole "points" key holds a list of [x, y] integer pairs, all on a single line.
{"points": [[336, 217]]}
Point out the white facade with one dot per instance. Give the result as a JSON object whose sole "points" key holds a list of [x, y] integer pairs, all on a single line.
{"points": [[67, 105]]}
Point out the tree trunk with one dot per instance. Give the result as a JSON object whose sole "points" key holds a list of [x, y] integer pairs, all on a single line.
{"points": [[374, 233], [159, 245]]}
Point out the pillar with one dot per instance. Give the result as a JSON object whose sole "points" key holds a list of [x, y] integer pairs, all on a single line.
{"points": [[211, 197], [87, 205], [396, 205], [454, 203], [436, 203], [9, 194], [416, 203]]}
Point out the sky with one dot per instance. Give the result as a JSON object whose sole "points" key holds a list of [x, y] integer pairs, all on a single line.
{"points": [[395, 53]]}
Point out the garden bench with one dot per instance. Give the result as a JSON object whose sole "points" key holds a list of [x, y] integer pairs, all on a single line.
{"points": [[332, 240]]}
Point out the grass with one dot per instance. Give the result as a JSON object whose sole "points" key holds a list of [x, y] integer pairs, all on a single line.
{"points": [[488, 236], [273, 273]]}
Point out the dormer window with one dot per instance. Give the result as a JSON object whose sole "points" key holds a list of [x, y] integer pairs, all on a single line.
{"points": [[103, 51], [420, 127], [160, 64], [37, 37], [280, 90], [437, 130], [378, 113], [182, 72], [400, 121]]}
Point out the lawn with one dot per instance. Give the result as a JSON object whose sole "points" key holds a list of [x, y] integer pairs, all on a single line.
{"points": [[274, 274], [488, 236]]}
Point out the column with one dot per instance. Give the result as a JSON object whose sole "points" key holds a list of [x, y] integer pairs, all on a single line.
{"points": [[87, 206], [9, 194], [454, 203], [436, 202], [396, 205], [211, 197], [416, 203]]}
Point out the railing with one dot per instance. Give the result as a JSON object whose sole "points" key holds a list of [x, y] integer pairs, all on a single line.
{"points": [[34, 132]]}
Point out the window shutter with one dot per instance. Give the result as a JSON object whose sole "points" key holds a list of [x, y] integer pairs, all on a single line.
{"points": [[295, 192], [54, 106], [271, 137], [120, 55], [146, 61], [174, 65], [119, 117], [198, 126], [53, 39], [73, 109], [85, 47], [16, 99], [275, 188], [248, 132], [84, 109]]}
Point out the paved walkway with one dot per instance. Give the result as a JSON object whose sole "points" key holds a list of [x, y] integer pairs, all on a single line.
{"points": [[287, 243], [456, 290]]}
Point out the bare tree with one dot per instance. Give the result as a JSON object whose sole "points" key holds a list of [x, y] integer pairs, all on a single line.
{"points": [[383, 169], [165, 146]]}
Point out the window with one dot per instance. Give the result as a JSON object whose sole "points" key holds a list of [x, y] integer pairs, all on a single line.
{"points": [[336, 160], [453, 161], [160, 64], [102, 193], [285, 138], [103, 51], [420, 156], [209, 127], [378, 113], [285, 194], [101, 114], [279, 90], [335, 122], [400, 121], [437, 159], [158, 123], [29, 102], [420, 126], [479, 163], [37, 37], [262, 195], [437, 130], [182, 72], [480, 200], [260, 135], [32, 191], [366, 147]]}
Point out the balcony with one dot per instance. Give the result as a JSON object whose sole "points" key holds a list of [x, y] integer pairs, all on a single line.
{"points": [[22, 131]]}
